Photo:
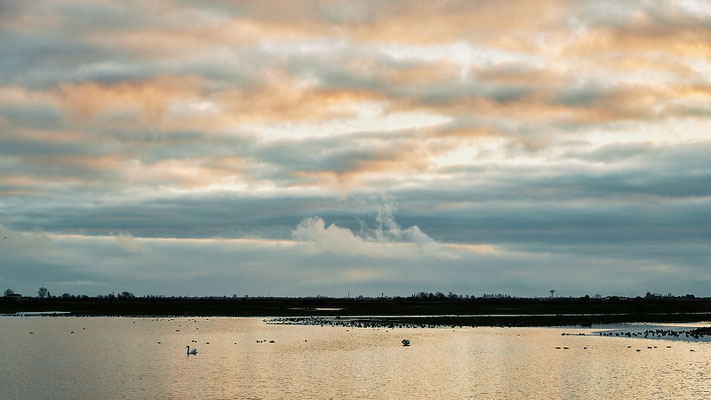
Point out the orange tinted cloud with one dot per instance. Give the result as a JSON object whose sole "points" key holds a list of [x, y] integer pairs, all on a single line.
{"points": [[167, 87], [151, 99]]}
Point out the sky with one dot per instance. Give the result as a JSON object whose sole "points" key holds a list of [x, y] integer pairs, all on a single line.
{"points": [[332, 147]]}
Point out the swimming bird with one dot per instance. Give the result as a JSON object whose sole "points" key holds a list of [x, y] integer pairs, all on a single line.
{"points": [[191, 351]]}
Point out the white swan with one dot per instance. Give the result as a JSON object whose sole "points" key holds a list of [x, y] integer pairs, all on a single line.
{"points": [[191, 351]]}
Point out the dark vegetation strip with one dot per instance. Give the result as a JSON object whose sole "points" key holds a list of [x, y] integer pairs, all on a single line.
{"points": [[460, 312]]}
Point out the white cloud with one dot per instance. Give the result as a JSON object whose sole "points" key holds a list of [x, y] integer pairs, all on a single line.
{"points": [[386, 240], [130, 244], [317, 238], [359, 117]]}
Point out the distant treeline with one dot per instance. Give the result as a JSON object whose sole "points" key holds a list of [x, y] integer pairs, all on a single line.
{"points": [[466, 310], [44, 293]]}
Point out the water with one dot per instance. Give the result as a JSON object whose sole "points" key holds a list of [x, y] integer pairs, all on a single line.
{"points": [[116, 358]]}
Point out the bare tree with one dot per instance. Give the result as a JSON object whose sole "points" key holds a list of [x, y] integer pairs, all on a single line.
{"points": [[9, 292], [125, 295], [43, 293]]}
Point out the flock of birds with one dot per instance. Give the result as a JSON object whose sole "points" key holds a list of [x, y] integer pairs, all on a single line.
{"points": [[629, 347], [655, 333], [349, 323]]}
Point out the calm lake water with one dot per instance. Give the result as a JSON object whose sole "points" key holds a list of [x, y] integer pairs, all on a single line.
{"points": [[115, 358]]}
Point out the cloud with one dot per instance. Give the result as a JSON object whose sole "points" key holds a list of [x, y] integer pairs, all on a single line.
{"points": [[320, 238], [168, 116], [386, 240], [130, 244]]}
